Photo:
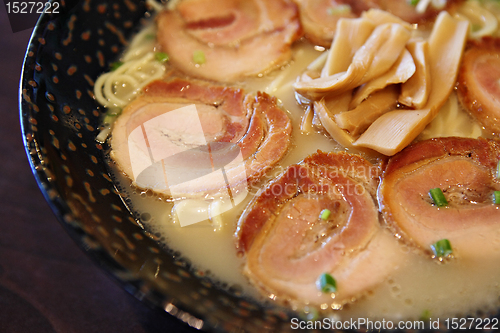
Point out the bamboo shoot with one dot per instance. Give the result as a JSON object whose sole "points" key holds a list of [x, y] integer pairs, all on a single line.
{"points": [[358, 120], [374, 58], [394, 130], [400, 72], [415, 92]]}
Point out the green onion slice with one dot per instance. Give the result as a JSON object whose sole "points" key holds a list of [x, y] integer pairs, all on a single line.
{"points": [[309, 313], [438, 197], [199, 57], [115, 65], [108, 119], [414, 2], [442, 248], [339, 10], [475, 27], [426, 315], [498, 170], [161, 56], [326, 283], [496, 197], [111, 115], [325, 214]]}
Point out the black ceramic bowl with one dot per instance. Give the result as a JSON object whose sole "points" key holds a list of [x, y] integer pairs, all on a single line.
{"points": [[60, 122]]}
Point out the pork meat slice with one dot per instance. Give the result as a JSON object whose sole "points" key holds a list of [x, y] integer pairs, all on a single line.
{"points": [[238, 38], [479, 81], [319, 17], [288, 245], [466, 172], [183, 128]]}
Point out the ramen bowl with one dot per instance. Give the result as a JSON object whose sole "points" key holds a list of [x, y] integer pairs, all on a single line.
{"points": [[61, 121]]}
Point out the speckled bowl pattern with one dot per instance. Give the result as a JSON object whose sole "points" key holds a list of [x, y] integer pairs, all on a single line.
{"points": [[60, 122]]}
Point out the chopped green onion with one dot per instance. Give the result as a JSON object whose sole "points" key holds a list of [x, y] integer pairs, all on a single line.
{"points": [[309, 313], [325, 214], [339, 10], [498, 170], [110, 116], [426, 315], [199, 57], [114, 112], [442, 248], [161, 56], [108, 119], [496, 197], [414, 2], [115, 65], [475, 27], [438, 197], [326, 283]]}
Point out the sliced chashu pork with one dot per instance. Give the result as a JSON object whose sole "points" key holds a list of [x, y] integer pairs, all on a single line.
{"points": [[319, 17], [180, 132], [479, 81], [288, 245], [466, 171], [237, 38]]}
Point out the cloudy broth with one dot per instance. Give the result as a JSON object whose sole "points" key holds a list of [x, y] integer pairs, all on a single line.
{"points": [[418, 285]]}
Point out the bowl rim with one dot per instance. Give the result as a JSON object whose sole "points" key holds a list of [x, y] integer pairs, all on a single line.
{"points": [[62, 211]]}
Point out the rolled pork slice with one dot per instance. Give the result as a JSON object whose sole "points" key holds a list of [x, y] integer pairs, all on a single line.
{"points": [[234, 39], [479, 82], [466, 172], [190, 138], [319, 18], [289, 242]]}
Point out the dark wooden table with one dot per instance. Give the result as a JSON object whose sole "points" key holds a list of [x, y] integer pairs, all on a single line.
{"points": [[47, 284]]}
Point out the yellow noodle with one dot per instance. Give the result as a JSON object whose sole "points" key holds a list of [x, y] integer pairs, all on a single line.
{"points": [[452, 113], [494, 8], [142, 43], [477, 15], [99, 83], [155, 5], [113, 98], [111, 88], [422, 6]]}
